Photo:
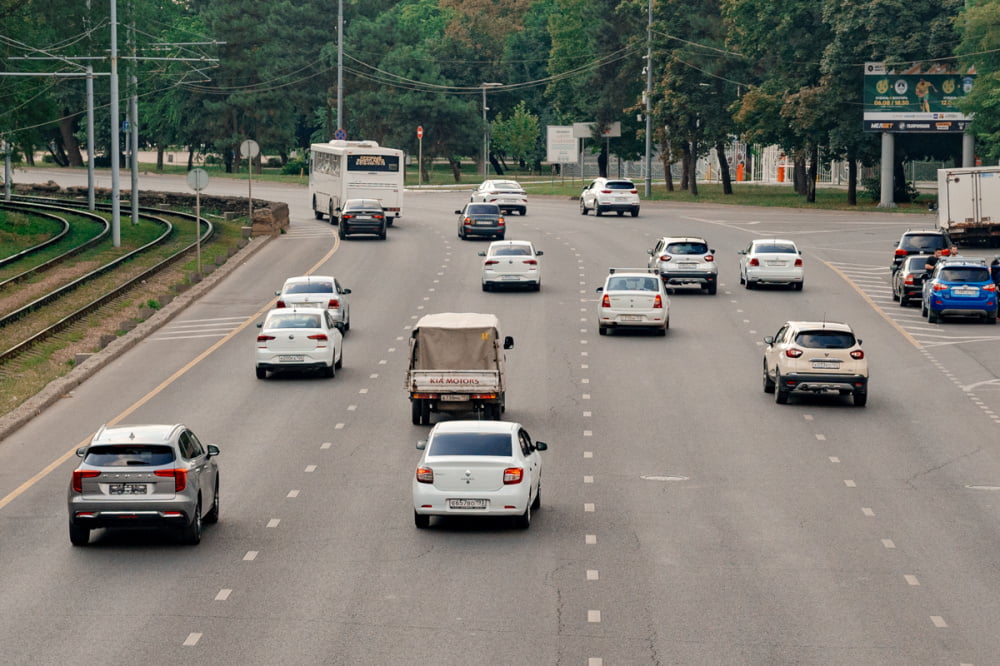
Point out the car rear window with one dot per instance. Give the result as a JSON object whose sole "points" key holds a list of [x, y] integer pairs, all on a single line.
{"points": [[293, 320], [922, 242], [687, 248], [775, 248], [471, 444], [506, 185], [916, 264], [965, 274], [619, 185], [310, 288], [633, 284], [513, 252], [132, 455], [825, 339], [482, 209]]}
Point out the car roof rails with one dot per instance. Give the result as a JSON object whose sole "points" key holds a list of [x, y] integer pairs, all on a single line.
{"points": [[644, 269]]}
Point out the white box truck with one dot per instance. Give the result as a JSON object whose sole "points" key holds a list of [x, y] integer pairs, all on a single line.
{"points": [[457, 364], [969, 204]]}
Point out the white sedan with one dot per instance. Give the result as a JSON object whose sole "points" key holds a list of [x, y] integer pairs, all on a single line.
{"points": [[771, 261], [478, 468], [317, 291], [507, 194], [633, 299], [511, 263], [299, 339]]}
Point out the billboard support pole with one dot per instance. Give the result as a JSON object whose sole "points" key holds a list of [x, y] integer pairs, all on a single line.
{"points": [[968, 150], [888, 154]]}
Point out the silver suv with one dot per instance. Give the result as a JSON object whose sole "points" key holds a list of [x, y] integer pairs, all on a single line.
{"points": [[144, 476], [685, 260], [604, 195]]}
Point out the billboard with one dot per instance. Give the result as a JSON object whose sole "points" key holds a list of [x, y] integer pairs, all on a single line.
{"points": [[560, 144], [913, 100]]}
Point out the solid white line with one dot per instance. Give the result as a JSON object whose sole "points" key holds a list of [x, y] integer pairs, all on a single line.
{"points": [[236, 320], [192, 640], [223, 594], [187, 337]]}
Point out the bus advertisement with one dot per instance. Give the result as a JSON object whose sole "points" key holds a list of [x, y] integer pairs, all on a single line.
{"points": [[342, 170]]}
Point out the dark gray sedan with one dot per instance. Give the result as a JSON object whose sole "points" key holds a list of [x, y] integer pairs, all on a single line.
{"points": [[362, 216], [144, 476], [481, 219]]}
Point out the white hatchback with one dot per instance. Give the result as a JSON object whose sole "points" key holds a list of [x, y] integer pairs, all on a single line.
{"points": [[511, 263], [771, 261], [507, 194], [631, 298], [299, 339], [478, 468], [317, 291]]}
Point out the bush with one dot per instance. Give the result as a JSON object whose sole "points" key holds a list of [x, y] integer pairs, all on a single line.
{"points": [[273, 162], [295, 167], [873, 188]]}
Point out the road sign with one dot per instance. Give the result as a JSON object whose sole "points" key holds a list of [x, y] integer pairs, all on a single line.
{"points": [[420, 131], [340, 135], [249, 148], [197, 179]]}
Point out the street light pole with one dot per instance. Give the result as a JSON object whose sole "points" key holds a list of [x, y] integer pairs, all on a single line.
{"points": [[649, 102], [486, 130]]}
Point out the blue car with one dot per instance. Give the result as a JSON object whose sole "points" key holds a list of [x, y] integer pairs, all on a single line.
{"points": [[960, 287]]}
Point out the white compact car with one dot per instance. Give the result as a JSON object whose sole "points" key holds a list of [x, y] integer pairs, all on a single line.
{"points": [[633, 298], [815, 357], [317, 291], [507, 194], [771, 261], [478, 468], [605, 195], [511, 263], [299, 339]]}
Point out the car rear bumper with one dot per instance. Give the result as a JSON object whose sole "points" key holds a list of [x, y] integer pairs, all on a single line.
{"points": [[787, 276], [122, 514], [643, 321], [688, 277], [617, 206], [482, 230], [363, 228], [817, 383], [508, 501]]}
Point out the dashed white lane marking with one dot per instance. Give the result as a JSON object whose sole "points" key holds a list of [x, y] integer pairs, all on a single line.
{"points": [[583, 353], [592, 574], [339, 426], [326, 445], [850, 484], [888, 543], [595, 661], [834, 459], [939, 622], [250, 556], [584, 381], [391, 349], [310, 468], [382, 362], [374, 375], [911, 580], [588, 479], [820, 437], [363, 391], [588, 454], [223, 594], [867, 511], [584, 366], [588, 433], [352, 408], [590, 539], [586, 396], [588, 507], [594, 616], [192, 640], [807, 417], [273, 522], [587, 414], [292, 494]]}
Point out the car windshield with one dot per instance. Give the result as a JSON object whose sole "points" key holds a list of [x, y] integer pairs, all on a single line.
{"points": [[521, 251], [825, 339], [687, 248], [132, 455], [633, 284], [775, 248], [293, 320], [471, 444], [922, 242], [482, 209], [310, 288], [964, 274], [619, 185]]}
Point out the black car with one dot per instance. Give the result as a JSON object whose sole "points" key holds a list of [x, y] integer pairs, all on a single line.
{"points": [[361, 216], [908, 280], [920, 242], [481, 219]]}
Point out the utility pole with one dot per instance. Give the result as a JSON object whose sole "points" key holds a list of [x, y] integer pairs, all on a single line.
{"points": [[649, 103], [116, 192], [340, 64]]}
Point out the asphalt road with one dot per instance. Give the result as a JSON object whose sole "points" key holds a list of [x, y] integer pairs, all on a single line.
{"points": [[686, 518]]}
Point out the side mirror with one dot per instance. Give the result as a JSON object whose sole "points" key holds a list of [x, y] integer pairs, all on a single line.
{"points": [[337, 209], [213, 450], [458, 212], [650, 252], [340, 327], [277, 293], [508, 342], [541, 446], [860, 341], [742, 252], [82, 451], [711, 250], [538, 253], [769, 339], [421, 445], [482, 254], [260, 324], [345, 291], [599, 290]]}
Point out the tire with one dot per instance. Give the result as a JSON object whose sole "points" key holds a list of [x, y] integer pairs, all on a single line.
{"points": [[486, 287], [79, 535], [425, 412], [422, 521], [860, 399], [933, 317], [583, 209], [191, 533], [895, 295], [500, 236], [389, 221], [598, 212], [768, 383], [340, 233], [330, 371], [524, 520], [523, 212], [537, 503], [666, 325], [923, 309], [602, 330], [333, 218], [662, 331], [749, 284], [340, 361], [798, 286], [213, 514], [261, 373], [991, 318], [903, 301], [621, 213], [635, 213], [347, 324], [316, 213], [742, 281], [415, 410], [381, 236], [538, 287], [780, 394], [712, 289]]}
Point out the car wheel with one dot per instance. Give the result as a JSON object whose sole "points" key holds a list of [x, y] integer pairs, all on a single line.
{"points": [[798, 286], [712, 288], [583, 208], [425, 412], [602, 330], [895, 294], [340, 361], [415, 411], [523, 212], [422, 521], [933, 317], [598, 212], [381, 236], [749, 284], [330, 371], [903, 301], [389, 221], [742, 280], [316, 213], [663, 331], [486, 287], [635, 212], [768, 383], [79, 535], [261, 373], [991, 318], [524, 520], [538, 287], [860, 398], [341, 233], [537, 504], [500, 236], [780, 393], [621, 213], [191, 534], [213, 514], [333, 218], [347, 324]]}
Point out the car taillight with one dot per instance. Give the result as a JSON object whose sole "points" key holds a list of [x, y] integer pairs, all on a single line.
{"points": [[280, 304], [901, 253], [467, 222], [798, 263], [264, 338], [347, 216], [709, 257], [531, 262], [664, 257], [491, 262], [753, 262], [606, 301], [857, 354], [500, 221], [989, 287], [319, 336], [633, 191], [425, 475], [909, 279], [334, 303], [180, 477], [658, 302], [79, 475], [513, 475], [793, 352], [378, 217], [605, 191], [937, 286]]}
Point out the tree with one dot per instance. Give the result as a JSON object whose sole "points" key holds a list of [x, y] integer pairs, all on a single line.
{"points": [[516, 137], [980, 47]]}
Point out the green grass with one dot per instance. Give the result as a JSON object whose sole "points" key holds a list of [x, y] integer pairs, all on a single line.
{"points": [[19, 231]]}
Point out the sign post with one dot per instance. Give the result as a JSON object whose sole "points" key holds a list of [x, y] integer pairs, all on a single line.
{"points": [[250, 149], [420, 154], [197, 180]]}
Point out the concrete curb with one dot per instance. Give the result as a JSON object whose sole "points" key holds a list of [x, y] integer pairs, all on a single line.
{"points": [[57, 388]]}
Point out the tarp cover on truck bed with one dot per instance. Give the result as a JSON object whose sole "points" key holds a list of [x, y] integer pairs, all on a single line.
{"points": [[455, 341]]}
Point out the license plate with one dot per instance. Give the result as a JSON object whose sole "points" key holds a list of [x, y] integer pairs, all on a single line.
{"points": [[631, 317], [468, 503], [291, 358], [776, 263], [363, 217], [620, 199], [965, 291], [509, 277], [454, 397], [127, 489], [826, 364]]}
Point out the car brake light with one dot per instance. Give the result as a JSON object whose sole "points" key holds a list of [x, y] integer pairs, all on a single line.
{"points": [[319, 336], [79, 475], [901, 252], [513, 475], [753, 262], [531, 262], [280, 304], [664, 257], [709, 257], [425, 475], [500, 222], [264, 338], [793, 352], [347, 216], [909, 279], [605, 191], [857, 354], [798, 263], [467, 222], [658, 303], [989, 287], [180, 477], [937, 286], [491, 262], [606, 301], [634, 191], [334, 303]]}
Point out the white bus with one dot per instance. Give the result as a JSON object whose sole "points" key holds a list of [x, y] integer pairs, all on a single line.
{"points": [[341, 170]]}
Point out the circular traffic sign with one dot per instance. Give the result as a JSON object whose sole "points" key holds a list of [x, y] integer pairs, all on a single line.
{"points": [[340, 134], [249, 148], [197, 179], [420, 131]]}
